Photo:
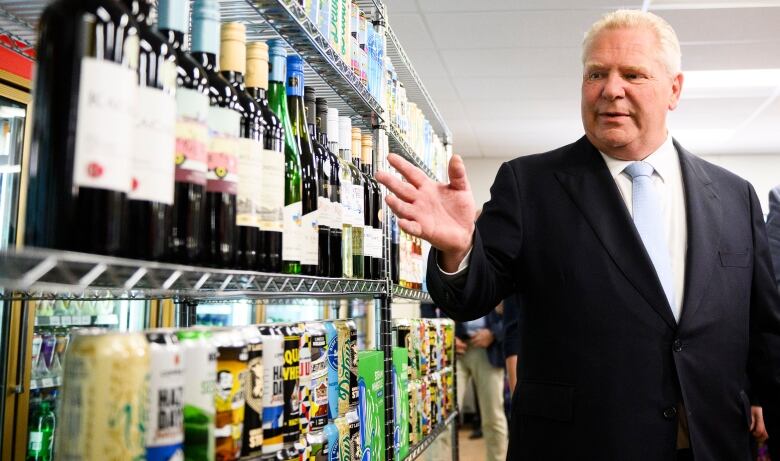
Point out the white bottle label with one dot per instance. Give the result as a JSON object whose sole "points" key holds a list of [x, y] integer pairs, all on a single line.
{"points": [[104, 128], [310, 239], [192, 136], [346, 202], [338, 214], [271, 213], [291, 239], [325, 210], [250, 186], [36, 440], [166, 391], [359, 218], [223, 139], [153, 164]]}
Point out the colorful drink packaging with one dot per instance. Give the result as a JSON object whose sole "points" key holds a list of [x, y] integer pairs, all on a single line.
{"points": [[291, 383], [200, 376], [413, 345], [371, 409], [401, 402], [252, 437], [318, 446], [344, 366], [304, 378], [345, 442], [434, 390], [331, 434], [353, 365], [425, 398], [425, 347], [273, 389], [451, 401], [332, 338], [318, 412], [414, 412], [433, 346], [229, 402], [106, 375], [164, 422], [449, 341]]}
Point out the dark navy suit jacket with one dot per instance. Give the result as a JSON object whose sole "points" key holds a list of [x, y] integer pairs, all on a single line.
{"points": [[604, 364]]}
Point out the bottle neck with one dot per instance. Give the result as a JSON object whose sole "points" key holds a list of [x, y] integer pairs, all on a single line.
{"points": [[207, 60], [346, 155], [140, 10], [235, 78], [257, 93], [174, 37]]}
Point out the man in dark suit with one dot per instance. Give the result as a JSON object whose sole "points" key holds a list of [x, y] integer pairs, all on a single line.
{"points": [[651, 316]]}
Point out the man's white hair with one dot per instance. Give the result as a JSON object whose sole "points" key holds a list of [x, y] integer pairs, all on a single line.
{"points": [[669, 45]]}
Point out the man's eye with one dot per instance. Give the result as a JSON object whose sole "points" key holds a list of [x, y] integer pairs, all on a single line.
{"points": [[595, 75]]}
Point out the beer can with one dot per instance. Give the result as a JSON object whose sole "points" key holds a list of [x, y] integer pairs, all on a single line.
{"points": [[199, 355], [61, 346], [164, 422], [425, 397], [449, 341], [318, 412], [354, 393], [318, 446], [37, 342], [106, 376], [345, 442], [290, 372], [425, 347], [451, 391], [304, 378], [229, 402], [414, 412], [353, 420], [434, 389], [344, 365], [433, 346], [273, 389], [252, 437], [303, 448], [332, 338], [331, 434]]}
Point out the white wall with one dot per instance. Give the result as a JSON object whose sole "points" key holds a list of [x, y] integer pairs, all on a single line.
{"points": [[763, 171]]}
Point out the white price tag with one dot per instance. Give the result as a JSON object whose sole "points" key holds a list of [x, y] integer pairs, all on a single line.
{"points": [[47, 382], [66, 320], [84, 320], [54, 320]]}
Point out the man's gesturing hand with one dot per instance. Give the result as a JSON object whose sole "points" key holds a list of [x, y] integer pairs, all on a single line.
{"points": [[442, 214]]}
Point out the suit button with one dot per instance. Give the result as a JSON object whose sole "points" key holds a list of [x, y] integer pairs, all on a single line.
{"points": [[670, 413], [677, 345]]}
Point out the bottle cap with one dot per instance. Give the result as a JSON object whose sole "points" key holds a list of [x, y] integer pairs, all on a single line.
{"points": [[205, 26], [257, 65], [333, 125], [294, 75], [232, 47], [322, 105], [277, 61], [345, 133], [309, 94], [366, 153], [173, 15], [356, 147]]}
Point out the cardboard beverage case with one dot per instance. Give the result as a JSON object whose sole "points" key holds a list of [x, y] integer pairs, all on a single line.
{"points": [[371, 407], [401, 399]]}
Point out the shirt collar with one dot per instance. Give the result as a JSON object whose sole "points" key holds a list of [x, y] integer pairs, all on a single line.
{"points": [[664, 160]]}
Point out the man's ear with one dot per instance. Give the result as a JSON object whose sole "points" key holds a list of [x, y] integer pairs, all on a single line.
{"points": [[677, 85]]}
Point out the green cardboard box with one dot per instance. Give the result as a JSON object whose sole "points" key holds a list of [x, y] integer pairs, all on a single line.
{"points": [[401, 401], [371, 407]]}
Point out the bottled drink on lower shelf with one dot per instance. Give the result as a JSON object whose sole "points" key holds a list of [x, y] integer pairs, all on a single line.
{"points": [[164, 427], [42, 424], [232, 358], [200, 376]]}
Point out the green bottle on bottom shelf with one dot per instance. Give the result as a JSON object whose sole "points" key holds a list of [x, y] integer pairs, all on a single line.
{"points": [[40, 437]]}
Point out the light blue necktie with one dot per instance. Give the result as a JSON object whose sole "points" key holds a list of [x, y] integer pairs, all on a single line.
{"points": [[649, 222]]}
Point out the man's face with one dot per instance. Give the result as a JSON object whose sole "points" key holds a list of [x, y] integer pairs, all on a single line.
{"points": [[626, 93]]}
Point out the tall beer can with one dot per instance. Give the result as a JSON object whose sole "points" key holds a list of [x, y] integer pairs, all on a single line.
{"points": [[318, 413], [200, 376], [290, 373], [332, 338], [304, 378], [252, 438], [164, 422], [273, 389], [354, 393], [104, 395], [229, 402]]}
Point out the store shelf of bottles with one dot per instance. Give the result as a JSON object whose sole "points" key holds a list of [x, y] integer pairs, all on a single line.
{"points": [[415, 89], [76, 320], [399, 146], [409, 293], [45, 383], [417, 450], [326, 71], [41, 273]]}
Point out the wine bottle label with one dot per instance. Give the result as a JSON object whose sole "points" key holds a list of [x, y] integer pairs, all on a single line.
{"points": [[325, 210], [192, 135], [378, 243], [338, 214], [104, 126], [357, 197], [36, 441], [250, 187], [153, 169], [346, 201], [291, 239], [309, 241], [357, 240], [223, 144], [271, 214]]}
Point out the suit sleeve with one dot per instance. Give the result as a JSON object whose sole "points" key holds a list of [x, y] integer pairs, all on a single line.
{"points": [[512, 321], [773, 231], [490, 275], [764, 360]]}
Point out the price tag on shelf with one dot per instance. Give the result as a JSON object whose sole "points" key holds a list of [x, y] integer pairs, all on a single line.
{"points": [[106, 319], [82, 320], [66, 320], [47, 382], [54, 321]]}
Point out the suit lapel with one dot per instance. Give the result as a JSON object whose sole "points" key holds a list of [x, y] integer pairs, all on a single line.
{"points": [[593, 190], [703, 209]]}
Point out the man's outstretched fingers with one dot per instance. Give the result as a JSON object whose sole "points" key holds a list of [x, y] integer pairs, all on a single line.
{"points": [[414, 175], [457, 173], [410, 227], [404, 190], [400, 208]]}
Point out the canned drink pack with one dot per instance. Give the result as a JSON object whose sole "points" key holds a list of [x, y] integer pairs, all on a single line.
{"points": [[434, 389], [433, 346], [164, 423], [200, 375], [353, 362], [318, 446], [400, 376], [344, 365], [318, 412], [331, 433], [229, 396], [402, 337], [449, 342], [252, 437], [106, 375], [273, 389], [425, 400], [290, 373], [425, 347], [304, 378], [415, 415], [371, 409], [332, 338], [353, 421], [345, 442]]}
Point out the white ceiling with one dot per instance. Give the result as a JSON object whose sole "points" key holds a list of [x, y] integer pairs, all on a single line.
{"points": [[506, 73]]}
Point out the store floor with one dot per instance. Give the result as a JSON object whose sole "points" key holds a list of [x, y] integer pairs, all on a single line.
{"points": [[470, 449]]}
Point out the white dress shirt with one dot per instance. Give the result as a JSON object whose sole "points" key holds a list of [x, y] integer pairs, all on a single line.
{"points": [[667, 178]]}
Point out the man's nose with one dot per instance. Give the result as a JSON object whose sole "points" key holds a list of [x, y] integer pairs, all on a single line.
{"points": [[613, 87]]}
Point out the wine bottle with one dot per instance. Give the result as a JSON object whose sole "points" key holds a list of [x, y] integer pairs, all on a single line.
{"points": [[277, 99], [81, 144], [373, 221], [358, 189], [271, 212], [334, 190], [345, 191], [309, 237], [152, 169], [191, 132], [395, 250], [368, 206], [323, 170], [354, 195], [224, 122], [232, 65]]}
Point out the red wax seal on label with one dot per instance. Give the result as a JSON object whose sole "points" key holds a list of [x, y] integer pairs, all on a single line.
{"points": [[94, 170], [134, 184]]}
